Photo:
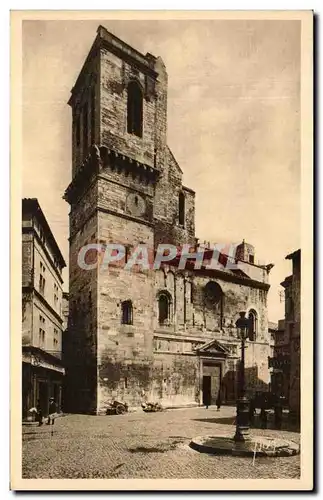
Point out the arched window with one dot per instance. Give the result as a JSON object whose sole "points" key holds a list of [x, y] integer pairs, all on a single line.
{"points": [[134, 109], [164, 308], [127, 312], [181, 208], [213, 293], [214, 300], [253, 328]]}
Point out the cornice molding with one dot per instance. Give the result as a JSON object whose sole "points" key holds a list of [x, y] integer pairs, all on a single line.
{"points": [[100, 158], [224, 276], [125, 216], [41, 298], [109, 42]]}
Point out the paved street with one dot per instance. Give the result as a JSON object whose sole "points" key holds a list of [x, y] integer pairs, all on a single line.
{"points": [[139, 445]]}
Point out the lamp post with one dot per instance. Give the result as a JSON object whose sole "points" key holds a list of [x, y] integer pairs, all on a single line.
{"points": [[242, 419]]}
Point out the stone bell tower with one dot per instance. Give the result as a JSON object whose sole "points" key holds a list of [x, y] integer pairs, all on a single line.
{"points": [[119, 171]]}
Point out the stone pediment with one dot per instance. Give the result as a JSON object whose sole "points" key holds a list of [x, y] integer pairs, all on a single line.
{"points": [[213, 347]]}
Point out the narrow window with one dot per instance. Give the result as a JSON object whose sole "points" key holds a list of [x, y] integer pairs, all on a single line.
{"points": [[181, 208], [93, 115], [42, 280], [253, 328], [163, 308], [134, 109], [41, 337], [126, 311], [251, 259]]}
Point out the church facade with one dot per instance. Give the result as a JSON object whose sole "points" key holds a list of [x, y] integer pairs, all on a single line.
{"points": [[168, 332]]}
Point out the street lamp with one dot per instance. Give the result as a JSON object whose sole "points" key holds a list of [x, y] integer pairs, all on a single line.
{"points": [[241, 444], [242, 419]]}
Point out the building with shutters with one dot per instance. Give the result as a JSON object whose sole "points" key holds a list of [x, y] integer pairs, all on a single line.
{"points": [[42, 316]]}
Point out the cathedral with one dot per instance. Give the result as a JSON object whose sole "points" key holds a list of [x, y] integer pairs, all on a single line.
{"points": [[168, 333]]}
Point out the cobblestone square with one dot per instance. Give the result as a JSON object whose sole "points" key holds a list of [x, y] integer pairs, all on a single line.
{"points": [[139, 445]]}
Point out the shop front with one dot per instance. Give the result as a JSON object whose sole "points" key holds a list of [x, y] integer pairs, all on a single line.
{"points": [[42, 378]]}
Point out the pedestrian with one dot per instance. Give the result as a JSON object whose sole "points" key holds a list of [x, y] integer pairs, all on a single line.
{"points": [[218, 401], [207, 400], [39, 415], [252, 410], [52, 411]]}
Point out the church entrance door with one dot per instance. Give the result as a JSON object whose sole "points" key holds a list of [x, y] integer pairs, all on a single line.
{"points": [[211, 381]]}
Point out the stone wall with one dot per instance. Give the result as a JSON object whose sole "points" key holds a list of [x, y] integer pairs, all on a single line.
{"points": [[83, 101], [124, 200], [175, 379], [115, 74], [195, 312], [124, 351], [81, 338], [166, 207]]}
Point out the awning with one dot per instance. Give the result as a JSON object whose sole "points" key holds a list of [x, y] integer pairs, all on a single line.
{"points": [[39, 358]]}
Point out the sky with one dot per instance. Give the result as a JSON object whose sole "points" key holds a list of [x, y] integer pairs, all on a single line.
{"points": [[233, 124]]}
